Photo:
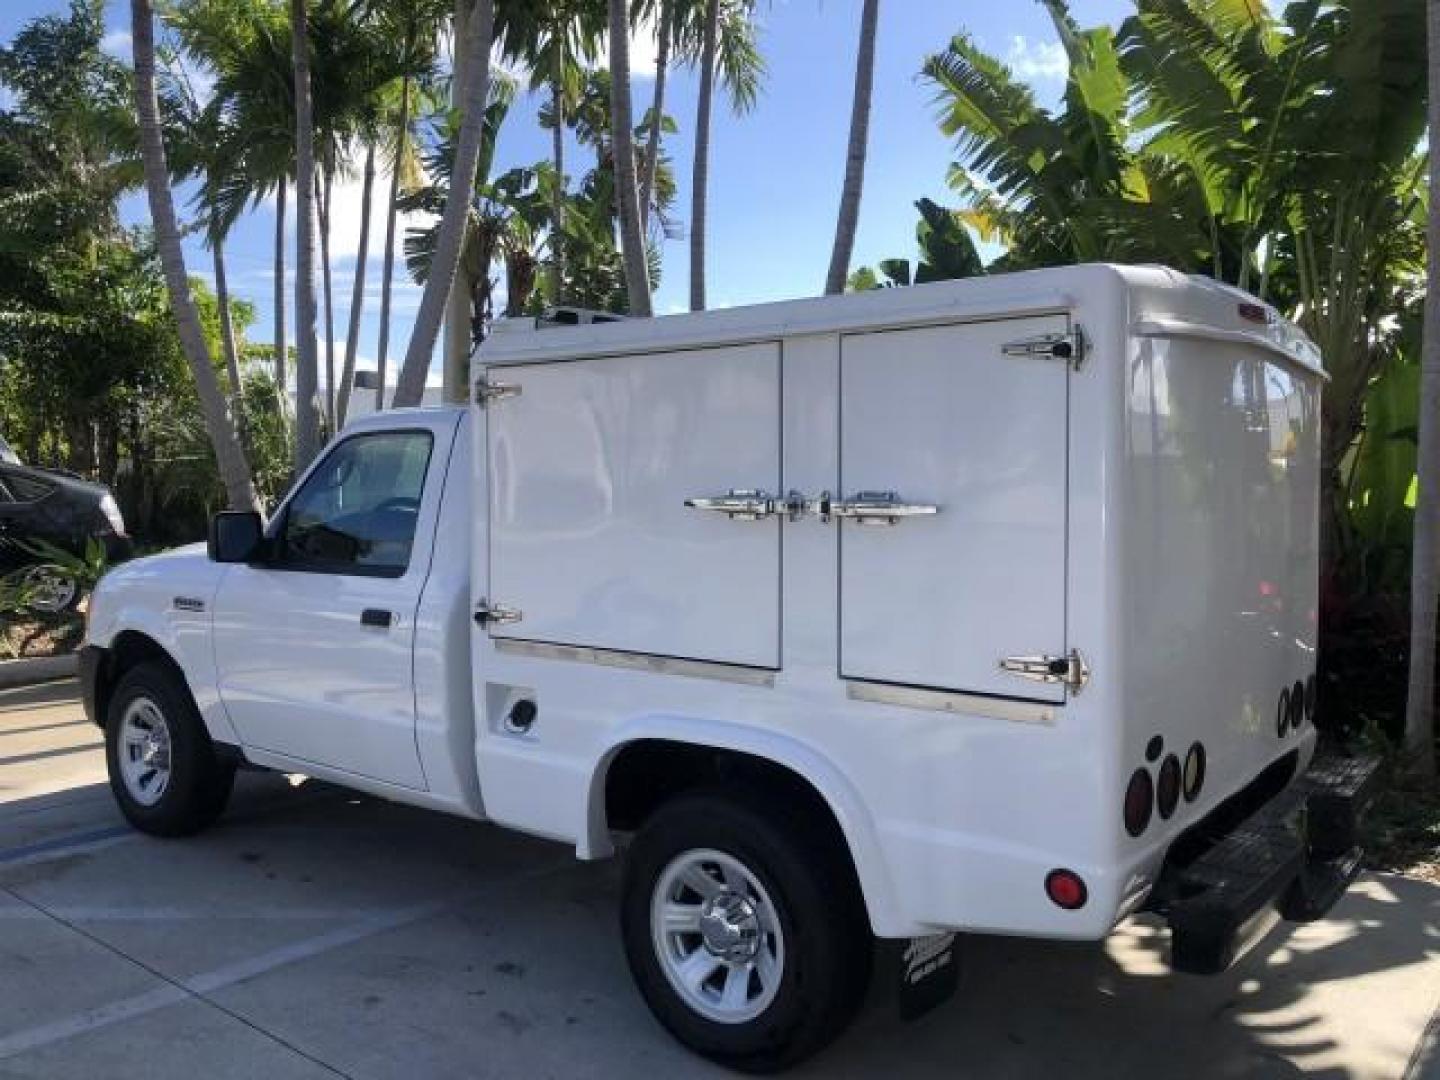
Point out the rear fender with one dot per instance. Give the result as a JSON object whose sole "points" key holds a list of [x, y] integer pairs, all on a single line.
{"points": [[829, 782]]}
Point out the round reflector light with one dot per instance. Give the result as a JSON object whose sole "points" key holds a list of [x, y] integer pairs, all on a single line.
{"points": [[1282, 713], [1297, 705], [1194, 772], [1066, 889], [1139, 802], [1167, 791]]}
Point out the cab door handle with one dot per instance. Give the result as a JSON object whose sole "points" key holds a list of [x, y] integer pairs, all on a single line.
{"points": [[376, 617]]}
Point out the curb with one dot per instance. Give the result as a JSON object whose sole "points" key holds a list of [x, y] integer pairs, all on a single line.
{"points": [[1425, 1063], [38, 669]]}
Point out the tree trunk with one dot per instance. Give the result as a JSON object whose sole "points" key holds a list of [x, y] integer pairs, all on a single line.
{"points": [[282, 347], [657, 111], [855, 156], [229, 456], [328, 173], [307, 360], [632, 238], [357, 294], [388, 273], [557, 196], [700, 177], [227, 329], [1425, 577], [453, 223], [459, 307]]}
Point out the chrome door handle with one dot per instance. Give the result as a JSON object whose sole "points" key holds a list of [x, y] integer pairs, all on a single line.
{"points": [[879, 508], [740, 504]]}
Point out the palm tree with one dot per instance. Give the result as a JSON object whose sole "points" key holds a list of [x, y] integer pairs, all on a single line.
{"points": [[855, 156], [197, 149], [307, 424], [324, 189], [282, 347], [410, 388], [387, 274], [1189, 138], [555, 39], [459, 311], [508, 215], [417, 29], [357, 294], [726, 47], [632, 240], [1424, 586], [700, 174], [229, 456], [247, 50], [664, 37]]}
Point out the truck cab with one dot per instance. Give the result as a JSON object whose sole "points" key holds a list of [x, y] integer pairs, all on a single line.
{"points": [[982, 606]]}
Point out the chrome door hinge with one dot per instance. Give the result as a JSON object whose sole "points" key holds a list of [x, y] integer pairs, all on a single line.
{"points": [[1070, 669], [1070, 347], [487, 391], [739, 504], [487, 613]]}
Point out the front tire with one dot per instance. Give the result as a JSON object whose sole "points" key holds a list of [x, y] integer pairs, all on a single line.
{"points": [[164, 771], [748, 939]]}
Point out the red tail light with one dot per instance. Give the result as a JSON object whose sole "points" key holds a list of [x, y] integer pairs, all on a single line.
{"points": [[1139, 802], [1167, 795], [1066, 889]]}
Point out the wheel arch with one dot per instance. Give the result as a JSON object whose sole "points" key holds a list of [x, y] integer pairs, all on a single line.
{"points": [[688, 753], [126, 650]]}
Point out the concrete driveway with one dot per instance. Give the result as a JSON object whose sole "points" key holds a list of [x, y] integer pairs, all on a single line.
{"points": [[316, 933]]}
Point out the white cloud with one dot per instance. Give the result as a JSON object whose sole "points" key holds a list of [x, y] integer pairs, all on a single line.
{"points": [[117, 44], [1037, 60], [347, 203], [644, 48]]}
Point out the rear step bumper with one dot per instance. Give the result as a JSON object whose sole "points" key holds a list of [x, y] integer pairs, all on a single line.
{"points": [[1229, 879]]}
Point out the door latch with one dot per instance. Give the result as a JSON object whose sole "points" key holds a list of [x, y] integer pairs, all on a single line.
{"points": [[487, 613], [487, 391], [877, 508], [1070, 669], [739, 504], [1070, 347]]}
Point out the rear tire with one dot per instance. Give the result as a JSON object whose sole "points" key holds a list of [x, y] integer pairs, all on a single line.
{"points": [[164, 771], [748, 939]]}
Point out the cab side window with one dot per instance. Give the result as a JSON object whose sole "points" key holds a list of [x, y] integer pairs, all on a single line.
{"points": [[356, 513]]}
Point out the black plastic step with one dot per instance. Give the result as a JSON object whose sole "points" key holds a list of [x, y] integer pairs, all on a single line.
{"points": [[1338, 788], [1271, 851], [1214, 902], [1320, 884]]}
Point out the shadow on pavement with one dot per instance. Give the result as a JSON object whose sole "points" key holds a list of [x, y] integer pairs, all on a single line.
{"points": [[20, 699]]}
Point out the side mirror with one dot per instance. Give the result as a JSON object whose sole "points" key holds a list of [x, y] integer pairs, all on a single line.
{"points": [[235, 536]]}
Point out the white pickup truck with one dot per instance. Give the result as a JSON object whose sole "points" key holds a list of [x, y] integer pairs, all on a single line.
{"points": [[981, 606]]}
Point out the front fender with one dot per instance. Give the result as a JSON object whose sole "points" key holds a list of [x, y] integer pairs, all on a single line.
{"points": [[184, 636], [805, 761]]}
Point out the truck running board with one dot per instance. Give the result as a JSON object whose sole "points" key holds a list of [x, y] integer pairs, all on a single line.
{"points": [[1231, 877]]}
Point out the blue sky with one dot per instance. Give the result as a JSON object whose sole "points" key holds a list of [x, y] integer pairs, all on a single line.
{"points": [[775, 173]]}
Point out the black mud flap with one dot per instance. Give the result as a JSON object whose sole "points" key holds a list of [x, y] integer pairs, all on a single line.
{"points": [[927, 972], [1261, 857]]}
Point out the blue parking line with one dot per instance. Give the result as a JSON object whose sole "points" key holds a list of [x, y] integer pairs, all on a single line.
{"points": [[60, 843]]}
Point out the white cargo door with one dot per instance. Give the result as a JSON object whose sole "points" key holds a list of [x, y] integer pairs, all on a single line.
{"points": [[590, 538], [943, 416]]}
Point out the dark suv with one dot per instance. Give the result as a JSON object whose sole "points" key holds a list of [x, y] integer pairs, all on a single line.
{"points": [[37, 505]]}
